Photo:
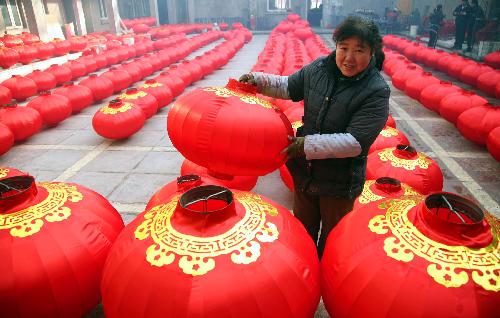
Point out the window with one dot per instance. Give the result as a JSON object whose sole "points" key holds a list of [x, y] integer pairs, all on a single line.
{"points": [[102, 9], [10, 13], [278, 5]]}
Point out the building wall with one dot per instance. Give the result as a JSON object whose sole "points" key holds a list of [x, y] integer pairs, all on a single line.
{"points": [[220, 10], [92, 14]]}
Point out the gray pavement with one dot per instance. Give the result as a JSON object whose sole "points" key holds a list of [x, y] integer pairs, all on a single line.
{"points": [[128, 172]]}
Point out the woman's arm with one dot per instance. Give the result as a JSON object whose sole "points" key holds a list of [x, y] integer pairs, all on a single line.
{"points": [[271, 85]]}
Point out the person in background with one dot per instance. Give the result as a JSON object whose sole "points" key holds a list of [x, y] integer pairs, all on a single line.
{"points": [[435, 21], [346, 104], [462, 15], [476, 22]]}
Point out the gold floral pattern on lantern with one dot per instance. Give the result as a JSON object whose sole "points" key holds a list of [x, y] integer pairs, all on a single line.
{"points": [[29, 221], [197, 255], [297, 124], [146, 85], [449, 265], [115, 110], [4, 172], [368, 196], [408, 164], [246, 98], [136, 95], [389, 132]]}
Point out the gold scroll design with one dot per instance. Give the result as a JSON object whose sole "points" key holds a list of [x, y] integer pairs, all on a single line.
{"points": [[137, 95], [151, 85], [29, 221], [449, 265], [115, 110], [246, 98], [389, 132], [408, 164], [297, 124], [4, 172], [368, 196], [197, 255]]}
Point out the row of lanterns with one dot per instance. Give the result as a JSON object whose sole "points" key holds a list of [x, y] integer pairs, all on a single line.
{"points": [[476, 119], [19, 123], [126, 115]]}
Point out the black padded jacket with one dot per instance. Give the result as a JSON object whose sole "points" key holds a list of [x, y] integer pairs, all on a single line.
{"points": [[336, 104]]}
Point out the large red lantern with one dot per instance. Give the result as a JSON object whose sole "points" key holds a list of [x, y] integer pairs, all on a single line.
{"points": [[79, 96], [45, 50], [118, 120], [244, 183], [78, 69], [21, 87], [432, 95], [6, 140], [27, 53], [147, 102], [8, 57], [121, 79], [101, 86], [387, 138], [43, 80], [61, 47], [133, 70], [488, 81], [415, 85], [476, 123], [493, 143], [383, 188], [62, 73], [471, 72], [174, 82], [5, 95], [160, 91], [232, 132], [23, 122], [413, 258], [53, 108], [208, 239], [407, 165], [402, 75], [55, 238], [453, 105]]}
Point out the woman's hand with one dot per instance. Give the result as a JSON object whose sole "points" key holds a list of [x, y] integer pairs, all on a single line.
{"points": [[296, 148], [247, 78]]}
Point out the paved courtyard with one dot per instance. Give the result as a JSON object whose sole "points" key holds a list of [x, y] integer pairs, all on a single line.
{"points": [[128, 172]]}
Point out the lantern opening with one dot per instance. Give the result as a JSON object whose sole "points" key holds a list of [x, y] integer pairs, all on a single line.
{"points": [[388, 184], [16, 190], [206, 199], [454, 208]]}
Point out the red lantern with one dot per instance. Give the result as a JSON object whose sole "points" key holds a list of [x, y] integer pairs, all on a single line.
{"points": [[6, 142], [5, 95], [145, 66], [407, 165], [160, 91], [194, 69], [53, 108], [488, 81], [8, 57], [471, 72], [78, 69], [121, 79], [175, 83], [236, 244], [224, 132], [457, 64], [387, 138], [45, 50], [383, 188], [56, 237], [61, 47], [453, 105], [147, 102], [182, 73], [21, 87], [62, 73], [432, 95], [78, 43], [493, 143], [493, 59], [133, 70], [413, 258], [111, 57], [101, 86], [402, 75], [29, 38], [244, 183], [23, 122], [79, 96], [118, 120], [476, 123], [43, 80], [415, 85], [27, 53], [140, 28]]}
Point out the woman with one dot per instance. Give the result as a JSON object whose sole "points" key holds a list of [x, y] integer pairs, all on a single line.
{"points": [[346, 103]]}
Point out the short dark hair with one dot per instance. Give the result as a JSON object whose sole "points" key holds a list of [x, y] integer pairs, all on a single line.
{"points": [[365, 30]]}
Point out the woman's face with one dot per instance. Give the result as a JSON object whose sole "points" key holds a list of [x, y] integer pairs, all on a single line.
{"points": [[353, 56]]}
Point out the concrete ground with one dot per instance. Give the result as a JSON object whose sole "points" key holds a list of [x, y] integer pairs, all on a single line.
{"points": [[128, 172]]}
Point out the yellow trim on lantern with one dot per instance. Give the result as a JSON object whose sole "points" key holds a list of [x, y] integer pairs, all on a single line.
{"points": [[151, 85], [113, 110], [4, 172], [389, 132], [449, 265], [368, 196], [197, 253], [408, 164], [246, 98], [29, 221], [132, 96], [297, 124]]}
